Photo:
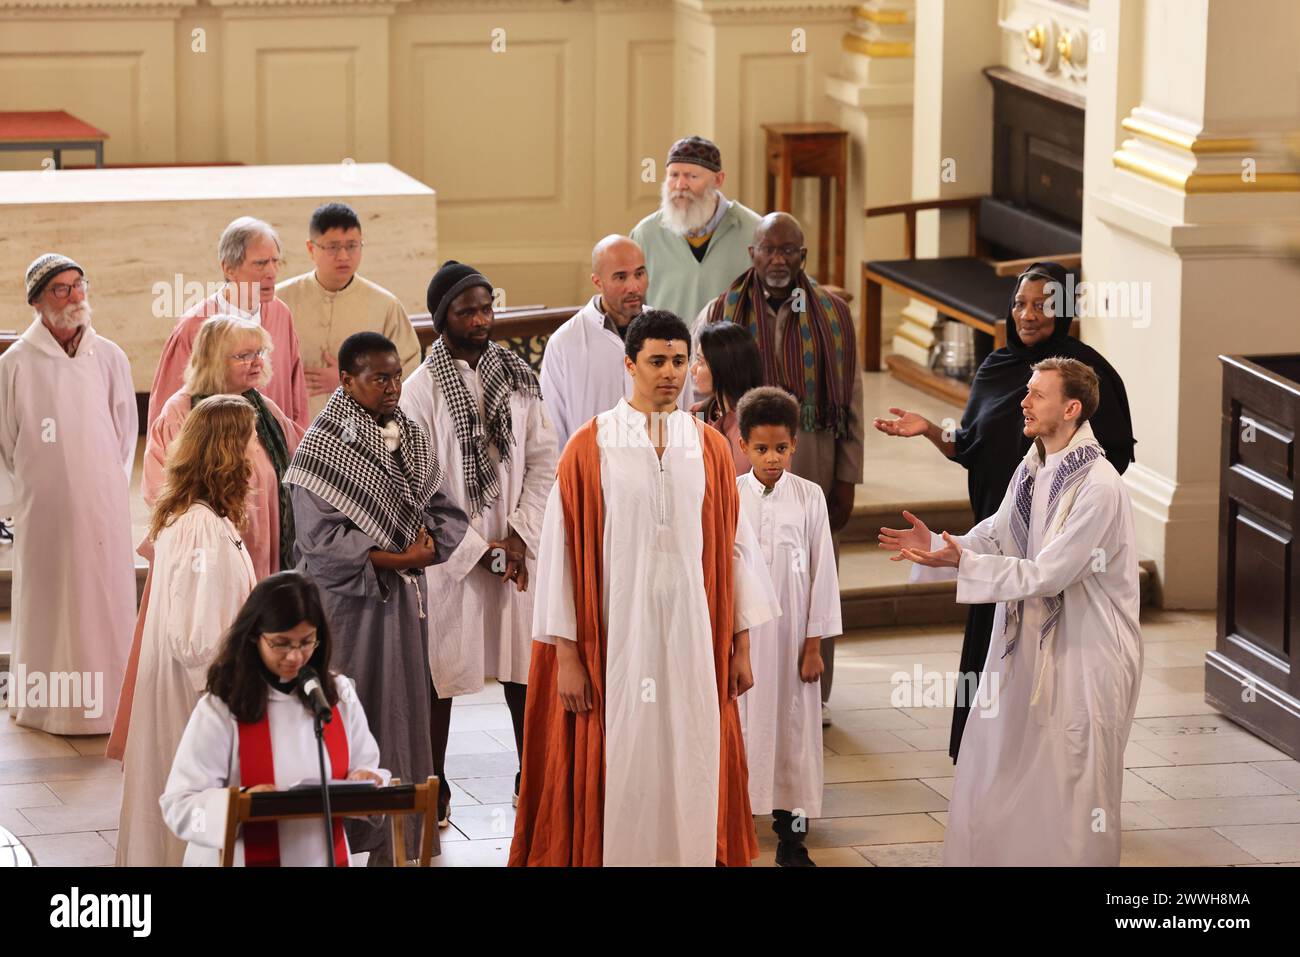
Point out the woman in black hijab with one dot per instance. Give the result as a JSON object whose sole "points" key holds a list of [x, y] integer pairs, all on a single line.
{"points": [[991, 441]]}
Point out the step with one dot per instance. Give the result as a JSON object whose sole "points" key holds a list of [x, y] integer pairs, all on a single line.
{"points": [[875, 592]]}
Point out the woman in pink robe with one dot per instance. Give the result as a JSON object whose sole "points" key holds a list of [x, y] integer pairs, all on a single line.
{"points": [[234, 354]]}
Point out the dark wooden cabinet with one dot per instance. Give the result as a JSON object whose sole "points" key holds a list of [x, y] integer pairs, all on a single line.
{"points": [[1253, 673]]}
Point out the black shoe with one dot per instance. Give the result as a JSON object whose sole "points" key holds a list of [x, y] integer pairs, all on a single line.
{"points": [[514, 801], [444, 807], [793, 854]]}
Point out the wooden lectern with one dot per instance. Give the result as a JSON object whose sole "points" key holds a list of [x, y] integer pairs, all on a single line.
{"points": [[395, 801]]}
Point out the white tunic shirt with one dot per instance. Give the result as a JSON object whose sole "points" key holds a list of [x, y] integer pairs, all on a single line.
{"points": [[782, 714], [662, 720], [197, 797], [1039, 783], [479, 625], [201, 578], [67, 443], [583, 373]]}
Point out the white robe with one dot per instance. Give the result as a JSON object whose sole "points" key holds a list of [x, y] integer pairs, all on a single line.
{"points": [[197, 796], [200, 581], [67, 443], [662, 722], [479, 626], [583, 373], [782, 714], [1039, 784]]}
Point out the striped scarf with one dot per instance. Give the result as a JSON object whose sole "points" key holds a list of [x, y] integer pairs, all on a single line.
{"points": [[342, 458], [1082, 452], [502, 373], [815, 359]]}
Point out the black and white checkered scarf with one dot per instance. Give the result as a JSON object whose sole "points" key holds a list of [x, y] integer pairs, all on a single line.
{"points": [[502, 373], [343, 459]]}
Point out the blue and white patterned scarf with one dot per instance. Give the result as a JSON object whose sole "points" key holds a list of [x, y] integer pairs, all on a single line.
{"points": [[1082, 452]]}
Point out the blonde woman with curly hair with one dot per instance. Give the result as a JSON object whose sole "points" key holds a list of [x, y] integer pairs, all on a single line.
{"points": [[201, 575], [230, 357]]}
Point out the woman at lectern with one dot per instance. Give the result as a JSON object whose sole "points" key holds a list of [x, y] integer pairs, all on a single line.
{"points": [[253, 729]]}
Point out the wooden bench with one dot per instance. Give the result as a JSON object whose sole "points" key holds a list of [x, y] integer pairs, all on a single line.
{"points": [[521, 329], [973, 289], [1034, 212]]}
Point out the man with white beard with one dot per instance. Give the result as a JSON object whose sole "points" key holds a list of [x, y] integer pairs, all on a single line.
{"points": [[67, 443], [698, 240]]}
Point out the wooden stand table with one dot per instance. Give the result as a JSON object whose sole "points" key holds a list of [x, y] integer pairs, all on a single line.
{"points": [[811, 149]]}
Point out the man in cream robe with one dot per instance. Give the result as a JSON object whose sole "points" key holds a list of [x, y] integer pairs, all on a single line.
{"points": [[67, 443], [582, 367], [1042, 757], [332, 301], [468, 389], [633, 747]]}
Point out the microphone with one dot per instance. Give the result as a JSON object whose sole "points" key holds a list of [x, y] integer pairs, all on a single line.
{"points": [[313, 695]]}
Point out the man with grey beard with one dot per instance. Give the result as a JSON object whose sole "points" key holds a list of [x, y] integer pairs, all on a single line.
{"points": [[698, 240], [67, 444]]}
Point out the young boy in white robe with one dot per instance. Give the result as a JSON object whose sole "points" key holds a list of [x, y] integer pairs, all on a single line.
{"points": [[1042, 755], [252, 729], [781, 716]]}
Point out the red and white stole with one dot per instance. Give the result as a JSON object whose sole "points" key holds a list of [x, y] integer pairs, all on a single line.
{"points": [[257, 766]]}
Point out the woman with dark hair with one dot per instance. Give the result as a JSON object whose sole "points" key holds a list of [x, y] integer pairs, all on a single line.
{"points": [[252, 730], [991, 441], [726, 365]]}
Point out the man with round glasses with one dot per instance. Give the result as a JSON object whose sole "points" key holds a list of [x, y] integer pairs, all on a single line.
{"points": [[331, 302], [67, 443]]}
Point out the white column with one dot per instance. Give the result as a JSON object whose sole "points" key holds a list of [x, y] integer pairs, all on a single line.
{"points": [[873, 88], [1189, 202], [952, 136]]}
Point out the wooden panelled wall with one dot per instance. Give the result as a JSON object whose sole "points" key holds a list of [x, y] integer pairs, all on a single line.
{"points": [[531, 118]]}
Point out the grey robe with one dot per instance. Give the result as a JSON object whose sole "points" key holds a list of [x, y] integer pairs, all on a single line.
{"points": [[380, 637]]}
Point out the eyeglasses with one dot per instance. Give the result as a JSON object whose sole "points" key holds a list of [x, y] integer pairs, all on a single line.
{"points": [[282, 648], [61, 290], [788, 251], [245, 357], [333, 249]]}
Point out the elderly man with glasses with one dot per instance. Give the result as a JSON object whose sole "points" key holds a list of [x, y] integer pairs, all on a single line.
{"points": [[805, 337], [67, 443], [250, 257], [331, 302]]}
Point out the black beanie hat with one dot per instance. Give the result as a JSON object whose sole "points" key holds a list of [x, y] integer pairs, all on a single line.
{"points": [[447, 283]]}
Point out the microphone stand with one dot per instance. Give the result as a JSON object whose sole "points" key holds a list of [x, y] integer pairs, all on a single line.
{"points": [[325, 789]]}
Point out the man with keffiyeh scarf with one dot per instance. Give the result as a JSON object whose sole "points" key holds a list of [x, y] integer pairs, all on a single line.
{"points": [[805, 336], [1039, 773], [369, 519], [482, 407]]}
